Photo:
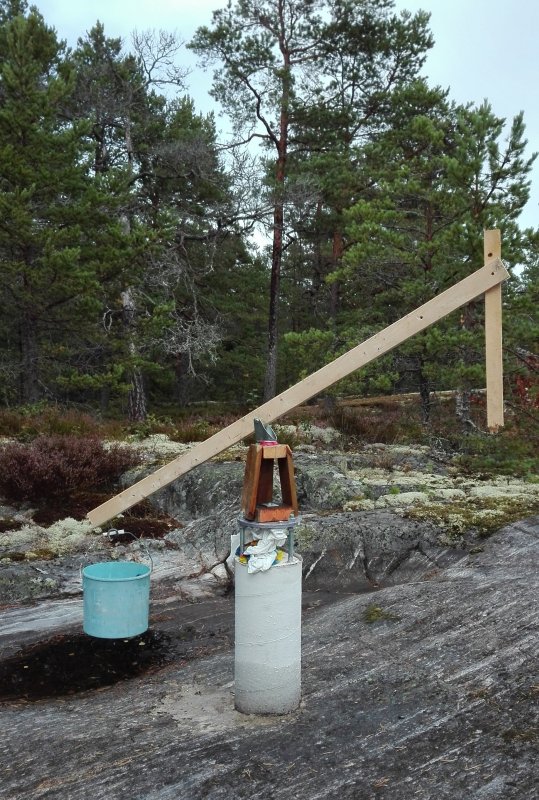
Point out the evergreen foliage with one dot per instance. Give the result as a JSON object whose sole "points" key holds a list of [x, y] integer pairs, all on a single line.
{"points": [[55, 219], [129, 277]]}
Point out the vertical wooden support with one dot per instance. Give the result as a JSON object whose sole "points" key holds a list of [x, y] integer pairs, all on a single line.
{"points": [[250, 481], [288, 481], [493, 337], [257, 495]]}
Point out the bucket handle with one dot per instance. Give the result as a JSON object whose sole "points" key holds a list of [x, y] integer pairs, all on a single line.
{"points": [[115, 532], [121, 532]]}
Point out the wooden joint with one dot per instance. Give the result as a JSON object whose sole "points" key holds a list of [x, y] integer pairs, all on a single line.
{"points": [[275, 451]]}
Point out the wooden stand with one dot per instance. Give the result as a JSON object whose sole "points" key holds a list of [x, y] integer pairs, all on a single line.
{"points": [[257, 496], [491, 275]]}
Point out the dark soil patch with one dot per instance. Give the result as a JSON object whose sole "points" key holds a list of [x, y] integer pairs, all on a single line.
{"points": [[75, 505], [70, 663], [143, 521], [14, 556], [9, 525], [67, 664]]}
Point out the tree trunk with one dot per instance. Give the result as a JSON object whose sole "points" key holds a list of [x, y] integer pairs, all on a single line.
{"points": [[424, 393], [462, 398], [180, 377], [281, 143], [136, 404], [336, 259], [30, 392], [104, 399], [462, 408], [270, 384]]}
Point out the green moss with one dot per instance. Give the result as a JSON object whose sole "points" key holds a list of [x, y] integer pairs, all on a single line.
{"points": [[14, 556], [42, 553], [374, 613], [287, 436], [485, 514], [503, 454], [10, 525], [521, 735], [306, 535]]}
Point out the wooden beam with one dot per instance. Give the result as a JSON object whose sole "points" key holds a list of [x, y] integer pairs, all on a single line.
{"points": [[250, 481], [474, 285], [493, 337]]}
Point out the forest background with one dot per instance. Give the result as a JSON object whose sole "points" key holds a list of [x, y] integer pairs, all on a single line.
{"points": [[131, 282]]}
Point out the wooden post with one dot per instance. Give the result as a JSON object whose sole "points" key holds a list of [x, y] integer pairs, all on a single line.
{"points": [[476, 284], [493, 337]]}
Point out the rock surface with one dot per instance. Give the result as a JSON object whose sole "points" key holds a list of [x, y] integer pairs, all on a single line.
{"points": [[420, 646], [371, 518], [422, 690], [359, 551]]}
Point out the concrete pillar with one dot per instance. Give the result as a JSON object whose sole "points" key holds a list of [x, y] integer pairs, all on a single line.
{"points": [[267, 667]]}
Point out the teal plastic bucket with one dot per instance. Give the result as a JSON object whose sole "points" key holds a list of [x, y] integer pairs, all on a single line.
{"points": [[116, 599]]}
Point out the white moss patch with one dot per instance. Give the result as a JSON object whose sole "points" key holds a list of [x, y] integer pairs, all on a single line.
{"points": [[398, 449], [394, 477], [63, 537], [449, 494], [453, 501], [362, 504], [69, 535], [508, 490], [158, 446], [402, 500], [316, 434]]}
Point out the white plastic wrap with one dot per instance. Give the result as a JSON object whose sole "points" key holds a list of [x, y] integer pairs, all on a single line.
{"points": [[264, 552]]}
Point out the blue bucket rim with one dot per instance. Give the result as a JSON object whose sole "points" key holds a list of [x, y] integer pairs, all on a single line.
{"points": [[143, 574]]}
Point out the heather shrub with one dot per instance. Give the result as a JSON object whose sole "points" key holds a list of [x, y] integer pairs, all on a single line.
{"points": [[56, 466], [369, 424], [190, 428], [195, 428], [27, 422], [57, 421], [11, 423]]}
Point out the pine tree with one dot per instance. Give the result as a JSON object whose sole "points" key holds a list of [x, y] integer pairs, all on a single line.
{"points": [[285, 70], [174, 201], [260, 47], [440, 178], [369, 53], [54, 218]]}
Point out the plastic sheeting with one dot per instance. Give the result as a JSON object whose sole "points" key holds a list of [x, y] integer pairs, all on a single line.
{"points": [[264, 552]]}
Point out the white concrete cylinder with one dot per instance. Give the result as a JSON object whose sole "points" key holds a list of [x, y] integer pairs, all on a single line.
{"points": [[267, 667]]}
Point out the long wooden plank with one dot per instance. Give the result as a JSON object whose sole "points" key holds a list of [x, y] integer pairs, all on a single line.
{"points": [[476, 284], [493, 337], [250, 481]]}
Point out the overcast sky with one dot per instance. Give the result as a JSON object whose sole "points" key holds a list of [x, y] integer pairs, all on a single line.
{"points": [[483, 49]]}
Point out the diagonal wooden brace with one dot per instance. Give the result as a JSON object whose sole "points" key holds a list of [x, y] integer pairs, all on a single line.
{"points": [[491, 274]]}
